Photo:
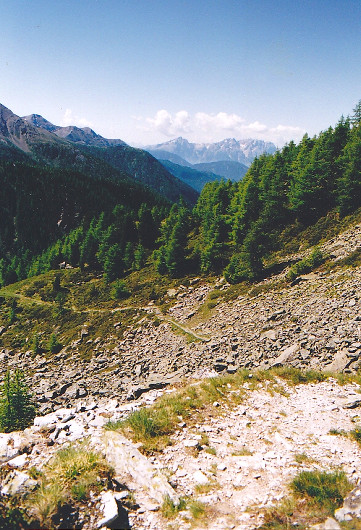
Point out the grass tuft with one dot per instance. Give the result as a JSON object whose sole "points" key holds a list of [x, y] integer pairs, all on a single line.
{"points": [[322, 489], [169, 509], [315, 496], [67, 479]]}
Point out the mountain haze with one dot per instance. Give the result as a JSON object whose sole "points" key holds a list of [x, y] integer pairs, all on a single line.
{"points": [[193, 177]]}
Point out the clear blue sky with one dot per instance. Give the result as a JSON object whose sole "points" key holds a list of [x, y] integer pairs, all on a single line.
{"points": [[149, 70]]}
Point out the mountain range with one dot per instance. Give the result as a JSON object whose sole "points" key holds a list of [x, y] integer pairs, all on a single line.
{"points": [[197, 175], [173, 169], [84, 136], [243, 151], [34, 139]]}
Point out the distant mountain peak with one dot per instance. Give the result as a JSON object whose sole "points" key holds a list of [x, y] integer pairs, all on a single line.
{"points": [[6, 113], [77, 135], [38, 121], [229, 149]]}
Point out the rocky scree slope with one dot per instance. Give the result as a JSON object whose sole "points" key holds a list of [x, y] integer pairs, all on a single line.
{"points": [[315, 323]]}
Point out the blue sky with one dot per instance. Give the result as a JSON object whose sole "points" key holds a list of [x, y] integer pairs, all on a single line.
{"points": [[148, 71]]}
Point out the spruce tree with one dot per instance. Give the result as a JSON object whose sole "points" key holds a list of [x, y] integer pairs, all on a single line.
{"points": [[16, 408]]}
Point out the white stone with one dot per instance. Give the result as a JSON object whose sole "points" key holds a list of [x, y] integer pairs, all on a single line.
{"points": [[17, 482], [109, 507], [18, 461], [98, 421], [7, 447], [200, 477], [190, 443], [46, 421], [127, 460]]}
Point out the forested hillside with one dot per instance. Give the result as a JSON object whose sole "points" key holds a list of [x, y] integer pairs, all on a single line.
{"points": [[235, 226], [58, 215], [51, 213]]}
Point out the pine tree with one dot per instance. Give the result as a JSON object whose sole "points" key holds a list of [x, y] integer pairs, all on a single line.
{"points": [[54, 345], [356, 116], [16, 408], [113, 264], [171, 256]]}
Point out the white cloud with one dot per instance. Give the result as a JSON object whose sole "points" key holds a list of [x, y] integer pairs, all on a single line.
{"points": [[222, 120], [70, 119], [169, 125], [204, 127]]}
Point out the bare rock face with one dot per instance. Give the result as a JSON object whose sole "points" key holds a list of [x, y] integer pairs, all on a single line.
{"points": [[127, 460], [17, 482]]}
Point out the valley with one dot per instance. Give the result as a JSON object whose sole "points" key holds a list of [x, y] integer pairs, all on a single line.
{"points": [[185, 355]]}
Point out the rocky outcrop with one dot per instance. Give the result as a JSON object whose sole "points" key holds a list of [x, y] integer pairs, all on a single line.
{"points": [[127, 460]]}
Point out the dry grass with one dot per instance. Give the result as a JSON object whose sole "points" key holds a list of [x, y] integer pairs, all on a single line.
{"points": [[67, 479]]}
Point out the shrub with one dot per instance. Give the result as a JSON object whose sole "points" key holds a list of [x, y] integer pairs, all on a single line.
{"points": [[54, 345], [16, 408], [36, 344], [324, 490], [305, 265], [119, 290]]}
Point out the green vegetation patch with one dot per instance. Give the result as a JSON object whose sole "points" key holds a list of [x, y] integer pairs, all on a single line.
{"points": [[315, 496], [305, 265], [322, 489], [17, 409]]}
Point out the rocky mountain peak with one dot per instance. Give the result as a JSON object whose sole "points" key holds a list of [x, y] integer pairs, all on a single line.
{"points": [[38, 121], [6, 113], [229, 149], [72, 133]]}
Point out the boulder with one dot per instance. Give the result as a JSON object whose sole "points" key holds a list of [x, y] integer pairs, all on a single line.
{"points": [[9, 446], [200, 478], [340, 361], [16, 483], [127, 460], [109, 508], [46, 421], [286, 356]]}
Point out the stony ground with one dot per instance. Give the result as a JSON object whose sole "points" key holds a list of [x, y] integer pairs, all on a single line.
{"points": [[237, 462], [275, 430], [314, 323]]}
